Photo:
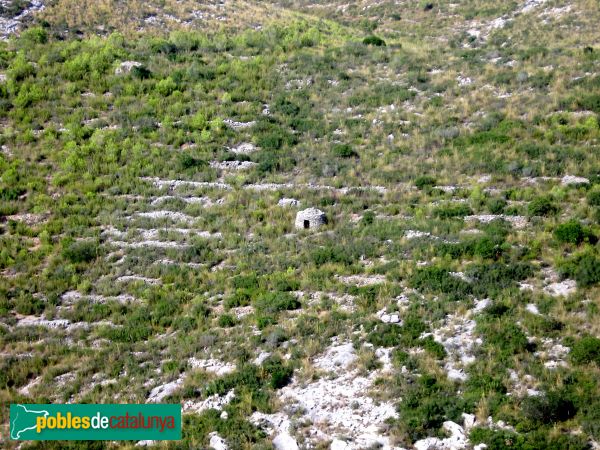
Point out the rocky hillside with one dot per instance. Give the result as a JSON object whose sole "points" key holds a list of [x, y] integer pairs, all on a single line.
{"points": [[443, 289]]}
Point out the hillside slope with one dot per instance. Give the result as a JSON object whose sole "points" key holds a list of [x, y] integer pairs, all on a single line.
{"points": [[155, 156]]}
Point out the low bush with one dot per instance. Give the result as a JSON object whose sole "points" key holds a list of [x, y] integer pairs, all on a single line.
{"points": [[496, 205], [273, 302], [435, 349], [241, 297], [385, 335], [451, 211], [593, 197], [504, 338], [226, 321], [489, 279], [187, 161], [332, 254], [542, 206], [591, 419], [426, 404], [80, 251], [279, 373], [438, 280], [263, 322], [586, 350], [407, 335], [503, 439], [552, 407], [374, 40], [344, 151], [584, 268], [572, 232], [166, 86], [425, 181]]}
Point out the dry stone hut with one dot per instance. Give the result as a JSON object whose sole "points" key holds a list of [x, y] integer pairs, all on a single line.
{"points": [[310, 218]]}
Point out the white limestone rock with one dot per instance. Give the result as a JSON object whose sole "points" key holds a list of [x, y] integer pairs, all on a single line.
{"points": [[212, 365], [126, 67], [338, 357], [571, 179], [164, 390], [217, 442], [245, 148], [284, 441], [561, 289], [288, 202]]}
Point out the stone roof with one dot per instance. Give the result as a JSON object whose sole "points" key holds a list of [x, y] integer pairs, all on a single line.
{"points": [[314, 216]]}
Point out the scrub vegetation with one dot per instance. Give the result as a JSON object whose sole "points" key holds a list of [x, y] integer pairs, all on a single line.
{"points": [[151, 153]]}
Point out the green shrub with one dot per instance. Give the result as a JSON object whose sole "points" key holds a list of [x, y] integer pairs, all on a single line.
{"points": [[452, 210], [20, 69], [273, 162], [273, 302], [487, 248], [140, 72], [269, 135], [490, 279], [241, 297], [591, 419], [548, 408], [571, 232], [344, 151], [407, 334], [539, 439], [586, 350], [263, 322], [424, 182], [187, 161], [285, 283], [332, 254], [367, 295], [593, 197], [542, 206], [80, 251], [435, 349], [11, 193], [245, 281], [496, 205], [368, 218], [587, 102], [399, 357], [484, 383], [413, 327], [584, 268], [166, 86], [426, 404], [374, 40], [385, 335], [504, 338], [226, 321], [280, 374], [436, 279], [35, 35], [28, 304]]}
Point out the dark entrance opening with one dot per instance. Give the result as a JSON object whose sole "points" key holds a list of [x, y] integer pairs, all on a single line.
{"points": [[306, 224]]}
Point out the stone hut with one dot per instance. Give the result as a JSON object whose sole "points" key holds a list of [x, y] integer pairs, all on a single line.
{"points": [[310, 218]]}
